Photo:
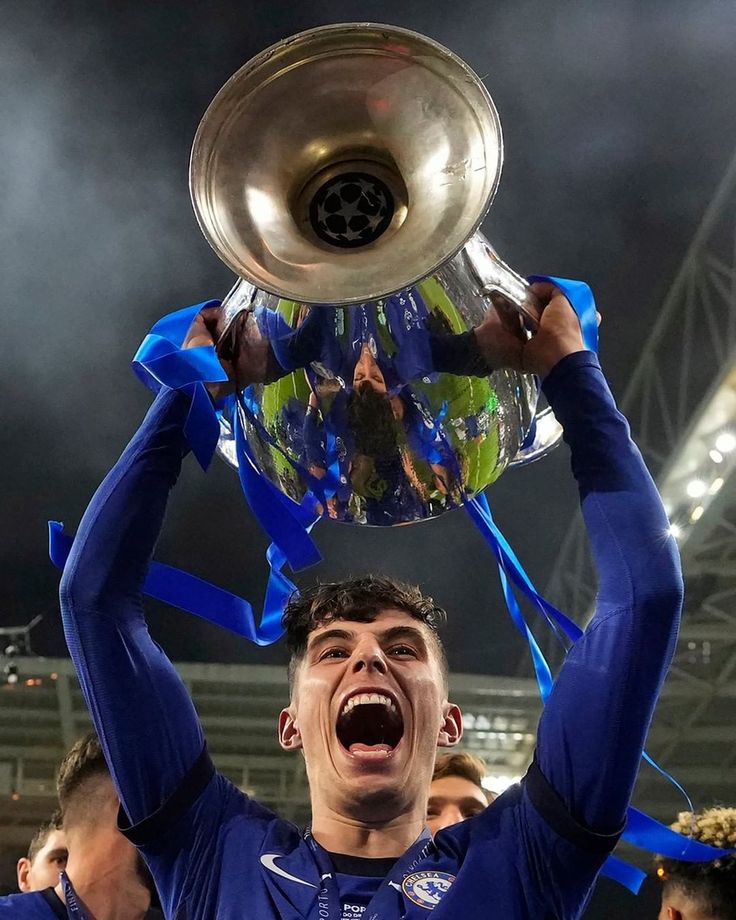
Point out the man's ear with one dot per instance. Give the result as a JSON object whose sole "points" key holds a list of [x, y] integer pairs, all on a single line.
{"points": [[451, 730], [668, 912], [290, 738], [23, 870]]}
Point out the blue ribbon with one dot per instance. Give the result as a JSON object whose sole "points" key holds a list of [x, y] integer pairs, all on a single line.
{"points": [[645, 832], [205, 600], [74, 909], [161, 361], [286, 522], [583, 303]]}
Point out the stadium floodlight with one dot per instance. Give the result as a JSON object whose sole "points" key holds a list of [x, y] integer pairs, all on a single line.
{"points": [[705, 460]]}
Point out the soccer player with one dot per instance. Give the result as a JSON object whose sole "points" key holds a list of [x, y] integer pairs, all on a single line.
{"points": [[369, 697], [701, 891], [456, 792], [109, 879], [47, 856]]}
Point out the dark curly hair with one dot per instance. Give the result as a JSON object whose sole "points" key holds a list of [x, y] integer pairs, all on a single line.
{"points": [[711, 885], [371, 420], [358, 600]]}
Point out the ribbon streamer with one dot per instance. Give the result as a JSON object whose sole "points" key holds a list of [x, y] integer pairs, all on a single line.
{"points": [[203, 599], [161, 361]]}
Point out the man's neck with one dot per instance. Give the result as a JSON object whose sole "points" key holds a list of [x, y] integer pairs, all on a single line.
{"points": [[337, 833], [105, 879]]}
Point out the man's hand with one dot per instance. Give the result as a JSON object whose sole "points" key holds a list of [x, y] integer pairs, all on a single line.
{"points": [[505, 343], [245, 355], [204, 331]]}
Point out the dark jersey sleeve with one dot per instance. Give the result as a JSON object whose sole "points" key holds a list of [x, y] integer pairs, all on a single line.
{"points": [[141, 709], [593, 728]]}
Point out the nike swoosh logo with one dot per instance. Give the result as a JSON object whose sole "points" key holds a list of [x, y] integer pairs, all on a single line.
{"points": [[269, 861]]}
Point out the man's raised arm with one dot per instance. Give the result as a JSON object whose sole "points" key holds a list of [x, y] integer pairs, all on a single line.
{"points": [[593, 728], [142, 711]]}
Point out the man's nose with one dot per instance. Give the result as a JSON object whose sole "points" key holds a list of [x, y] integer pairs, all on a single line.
{"points": [[369, 657]]}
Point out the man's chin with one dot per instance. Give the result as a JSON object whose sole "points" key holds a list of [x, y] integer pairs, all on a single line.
{"points": [[374, 798]]}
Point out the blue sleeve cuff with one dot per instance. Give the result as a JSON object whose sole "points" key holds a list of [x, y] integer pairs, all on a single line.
{"points": [[556, 380], [155, 826]]}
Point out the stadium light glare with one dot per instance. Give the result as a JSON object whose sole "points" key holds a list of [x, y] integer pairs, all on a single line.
{"points": [[499, 782], [726, 442], [704, 461], [696, 488]]}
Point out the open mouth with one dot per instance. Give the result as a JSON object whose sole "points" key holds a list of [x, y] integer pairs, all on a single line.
{"points": [[370, 724]]}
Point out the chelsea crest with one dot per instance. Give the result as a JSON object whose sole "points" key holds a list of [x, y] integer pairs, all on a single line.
{"points": [[427, 888]]}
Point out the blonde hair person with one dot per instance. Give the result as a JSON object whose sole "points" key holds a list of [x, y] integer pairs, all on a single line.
{"points": [[456, 792], [701, 891]]}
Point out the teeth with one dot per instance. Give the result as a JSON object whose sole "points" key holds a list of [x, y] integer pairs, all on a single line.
{"points": [[368, 699]]}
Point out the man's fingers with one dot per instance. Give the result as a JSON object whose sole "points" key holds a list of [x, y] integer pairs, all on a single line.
{"points": [[547, 292], [508, 313], [544, 290]]}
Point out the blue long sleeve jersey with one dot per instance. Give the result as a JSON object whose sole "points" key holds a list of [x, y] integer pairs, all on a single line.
{"points": [[215, 852]]}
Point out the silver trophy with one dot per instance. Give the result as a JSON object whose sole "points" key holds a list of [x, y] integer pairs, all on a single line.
{"points": [[343, 174]]}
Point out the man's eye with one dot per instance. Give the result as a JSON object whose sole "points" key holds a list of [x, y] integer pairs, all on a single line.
{"points": [[60, 860], [334, 653], [403, 650], [472, 812]]}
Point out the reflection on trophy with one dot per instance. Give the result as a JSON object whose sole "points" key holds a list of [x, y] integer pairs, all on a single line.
{"points": [[343, 174]]}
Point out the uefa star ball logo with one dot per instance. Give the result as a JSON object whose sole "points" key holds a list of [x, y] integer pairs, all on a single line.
{"points": [[426, 889], [351, 210]]}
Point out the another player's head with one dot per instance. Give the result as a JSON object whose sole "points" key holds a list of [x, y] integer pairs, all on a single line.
{"points": [[367, 372], [457, 790], [47, 856], [89, 812], [83, 783], [701, 891], [369, 706]]}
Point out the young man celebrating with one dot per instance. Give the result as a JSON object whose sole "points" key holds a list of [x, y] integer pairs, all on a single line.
{"points": [[369, 702]]}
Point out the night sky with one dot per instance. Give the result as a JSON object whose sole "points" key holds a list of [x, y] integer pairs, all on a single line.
{"points": [[619, 121]]}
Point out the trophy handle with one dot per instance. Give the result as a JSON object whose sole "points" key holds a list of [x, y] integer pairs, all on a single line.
{"points": [[494, 276]]}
